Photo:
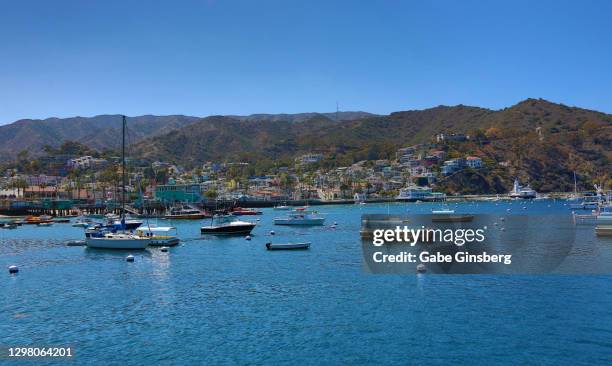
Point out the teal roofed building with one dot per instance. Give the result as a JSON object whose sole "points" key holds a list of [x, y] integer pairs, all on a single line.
{"points": [[187, 193]]}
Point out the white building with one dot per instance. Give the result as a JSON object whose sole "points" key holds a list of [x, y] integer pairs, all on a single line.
{"points": [[473, 162]]}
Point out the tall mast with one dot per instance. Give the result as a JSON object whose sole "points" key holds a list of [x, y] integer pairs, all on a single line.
{"points": [[124, 183]]}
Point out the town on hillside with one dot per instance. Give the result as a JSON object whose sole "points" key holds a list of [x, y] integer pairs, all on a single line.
{"points": [[418, 172]]}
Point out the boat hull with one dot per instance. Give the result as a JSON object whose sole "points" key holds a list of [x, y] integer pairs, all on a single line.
{"points": [[164, 242], [187, 217], [300, 222], [104, 243], [288, 246], [228, 230]]}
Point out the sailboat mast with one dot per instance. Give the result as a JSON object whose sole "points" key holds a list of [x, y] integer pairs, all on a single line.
{"points": [[123, 177]]}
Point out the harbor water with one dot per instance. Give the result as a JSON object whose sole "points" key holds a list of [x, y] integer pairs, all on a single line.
{"points": [[214, 300]]}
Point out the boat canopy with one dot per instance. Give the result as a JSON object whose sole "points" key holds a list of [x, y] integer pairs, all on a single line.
{"points": [[155, 229]]}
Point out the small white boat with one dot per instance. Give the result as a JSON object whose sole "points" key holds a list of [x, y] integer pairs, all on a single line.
{"points": [[287, 246], [444, 211], [159, 235], [118, 241], [302, 218], [282, 208], [44, 224], [81, 223]]}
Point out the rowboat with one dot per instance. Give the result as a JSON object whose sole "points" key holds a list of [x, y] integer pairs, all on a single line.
{"points": [[288, 246]]}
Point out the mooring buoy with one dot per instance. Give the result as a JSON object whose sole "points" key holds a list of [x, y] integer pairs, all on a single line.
{"points": [[129, 258], [13, 269]]}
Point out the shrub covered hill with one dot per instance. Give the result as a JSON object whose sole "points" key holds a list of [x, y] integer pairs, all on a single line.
{"points": [[535, 140]]}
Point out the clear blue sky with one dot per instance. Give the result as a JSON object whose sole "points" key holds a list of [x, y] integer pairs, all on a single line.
{"points": [[66, 58]]}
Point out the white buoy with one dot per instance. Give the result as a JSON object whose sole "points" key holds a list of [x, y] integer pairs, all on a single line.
{"points": [[13, 269], [258, 219], [164, 249], [272, 232], [129, 258], [335, 223], [502, 219], [248, 237], [421, 268], [502, 229]]}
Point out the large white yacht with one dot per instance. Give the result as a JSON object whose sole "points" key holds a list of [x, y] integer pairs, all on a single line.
{"points": [[414, 193]]}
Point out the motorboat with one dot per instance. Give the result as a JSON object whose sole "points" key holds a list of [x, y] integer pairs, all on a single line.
{"points": [[228, 225], [302, 218], [448, 215], [239, 211], [523, 192], [159, 235], [186, 212], [282, 208], [288, 246], [585, 205], [36, 220], [83, 222]]}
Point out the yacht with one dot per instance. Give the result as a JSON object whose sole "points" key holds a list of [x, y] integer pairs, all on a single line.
{"points": [[303, 218], [186, 212], [519, 191], [228, 225], [414, 193]]}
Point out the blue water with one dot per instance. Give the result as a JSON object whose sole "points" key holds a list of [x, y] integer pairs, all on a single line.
{"points": [[229, 301]]}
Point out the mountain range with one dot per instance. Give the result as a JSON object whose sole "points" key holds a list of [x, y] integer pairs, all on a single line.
{"points": [[540, 140]]}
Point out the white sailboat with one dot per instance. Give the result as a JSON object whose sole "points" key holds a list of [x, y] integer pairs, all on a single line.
{"points": [[122, 239]]}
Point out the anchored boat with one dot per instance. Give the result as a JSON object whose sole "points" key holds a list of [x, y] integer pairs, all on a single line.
{"points": [[288, 246], [302, 218], [159, 235], [186, 212], [121, 239], [447, 215], [228, 225]]}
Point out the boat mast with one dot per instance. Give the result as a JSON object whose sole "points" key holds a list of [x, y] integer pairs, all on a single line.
{"points": [[123, 177]]}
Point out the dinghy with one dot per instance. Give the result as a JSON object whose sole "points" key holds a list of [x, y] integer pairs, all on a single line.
{"points": [[287, 246]]}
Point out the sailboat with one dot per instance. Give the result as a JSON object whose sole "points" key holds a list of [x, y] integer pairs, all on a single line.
{"points": [[574, 196], [121, 238]]}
